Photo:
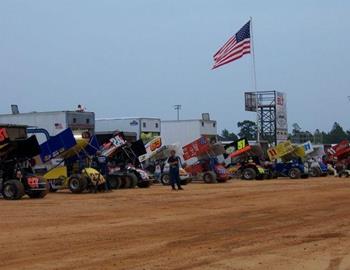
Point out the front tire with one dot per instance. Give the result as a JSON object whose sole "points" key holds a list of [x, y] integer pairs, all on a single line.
{"points": [[13, 190], [315, 172], [209, 177], [249, 174], [77, 184], [165, 179], [294, 173]]}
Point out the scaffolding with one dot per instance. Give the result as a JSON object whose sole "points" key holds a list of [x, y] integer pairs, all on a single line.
{"points": [[264, 104]]}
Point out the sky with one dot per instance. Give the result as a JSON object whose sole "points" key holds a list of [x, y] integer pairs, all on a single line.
{"points": [[139, 58]]}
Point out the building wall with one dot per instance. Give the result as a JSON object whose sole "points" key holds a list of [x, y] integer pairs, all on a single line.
{"points": [[111, 125], [186, 131], [208, 128], [129, 125], [181, 132], [81, 121], [150, 125]]}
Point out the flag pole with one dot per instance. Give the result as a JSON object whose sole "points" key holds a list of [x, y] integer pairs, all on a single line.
{"points": [[254, 82]]}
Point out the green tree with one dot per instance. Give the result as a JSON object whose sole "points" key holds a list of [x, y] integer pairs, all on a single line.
{"points": [[247, 129], [337, 134], [300, 136], [318, 137], [229, 135]]}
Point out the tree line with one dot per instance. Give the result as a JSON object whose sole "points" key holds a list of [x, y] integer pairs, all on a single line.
{"points": [[247, 129]]}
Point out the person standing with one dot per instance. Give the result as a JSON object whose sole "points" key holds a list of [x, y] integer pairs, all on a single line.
{"points": [[174, 172], [100, 163]]}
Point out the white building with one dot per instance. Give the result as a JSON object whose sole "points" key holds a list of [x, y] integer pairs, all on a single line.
{"points": [[183, 132], [53, 122], [134, 128]]}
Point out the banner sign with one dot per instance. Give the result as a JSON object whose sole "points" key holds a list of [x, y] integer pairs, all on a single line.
{"points": [[250, 101], [196, 148], [281, 117]]}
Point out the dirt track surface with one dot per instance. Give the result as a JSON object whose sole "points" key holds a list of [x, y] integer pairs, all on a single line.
{"points": [[278, 224]]}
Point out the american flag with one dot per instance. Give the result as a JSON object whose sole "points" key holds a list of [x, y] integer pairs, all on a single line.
{"points": [[234, 48]]}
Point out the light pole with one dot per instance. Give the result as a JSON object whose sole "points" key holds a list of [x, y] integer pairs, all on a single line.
{"points": [[177, 108]]}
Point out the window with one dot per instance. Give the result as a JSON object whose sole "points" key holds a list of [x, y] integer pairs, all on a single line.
{"points": [[144, 124], [214, 124], [157, 125], [74, 120], [87, 121], [202, 124]]}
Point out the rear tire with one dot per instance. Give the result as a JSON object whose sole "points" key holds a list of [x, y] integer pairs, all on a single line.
{"points": [[125, 182], [344, 174], [209, 177], [77, 184], [114, 181], [133, 180], [13, 190], [249, 174], [315, 172], [294, 173]]}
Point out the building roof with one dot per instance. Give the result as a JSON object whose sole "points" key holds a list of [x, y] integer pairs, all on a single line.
{"points": [[125, 118], [48, 112], [187, 120]]}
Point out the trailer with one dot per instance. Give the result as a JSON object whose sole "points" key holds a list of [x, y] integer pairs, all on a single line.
{"points": [[81, 123]]}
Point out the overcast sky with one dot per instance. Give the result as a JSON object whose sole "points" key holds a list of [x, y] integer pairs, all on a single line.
{"points": [[139, 58]]}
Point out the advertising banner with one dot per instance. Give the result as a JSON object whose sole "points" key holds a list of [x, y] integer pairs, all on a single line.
{"points": [[281, 117]]}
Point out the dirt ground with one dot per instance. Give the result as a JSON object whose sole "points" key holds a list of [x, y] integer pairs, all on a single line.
{"points": [[280, 224]]}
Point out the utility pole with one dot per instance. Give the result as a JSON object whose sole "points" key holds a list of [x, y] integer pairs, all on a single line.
{"points": [[177, 108]]}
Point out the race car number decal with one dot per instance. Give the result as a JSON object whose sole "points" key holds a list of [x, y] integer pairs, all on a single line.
{"points": [[33, 182], [156, 144]]}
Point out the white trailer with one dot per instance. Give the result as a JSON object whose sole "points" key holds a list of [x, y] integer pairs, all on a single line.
{"points": [[132, 127], [53, 122], [183, 132]]}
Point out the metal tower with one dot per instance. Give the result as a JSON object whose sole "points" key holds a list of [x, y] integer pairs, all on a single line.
{"points": [[264, 104], [267, 115]]}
